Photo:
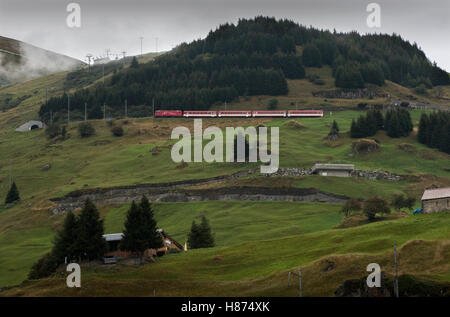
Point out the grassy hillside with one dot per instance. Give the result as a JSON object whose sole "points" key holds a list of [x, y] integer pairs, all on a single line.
{"points": [[104, 160], [257, 242], [260, 267]]}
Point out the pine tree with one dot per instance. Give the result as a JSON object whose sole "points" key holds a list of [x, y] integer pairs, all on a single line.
{"points": [[194, 236], [134, 63], [90, 242], [140, 229], [334, 127], [13, 194], [207, 239], [66, 240]]}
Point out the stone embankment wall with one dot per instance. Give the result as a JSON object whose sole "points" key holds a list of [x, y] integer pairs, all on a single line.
{"points": [[177, 192]]}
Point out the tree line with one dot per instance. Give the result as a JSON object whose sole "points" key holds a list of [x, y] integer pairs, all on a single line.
{"points": [[397, 123], [253, 57], [377, 205], [434, 130]]}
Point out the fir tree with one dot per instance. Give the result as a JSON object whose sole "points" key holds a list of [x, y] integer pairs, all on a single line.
{"points": [[140, 229], [134, 63], [13, 194], [200, 236], [334, 127], [90, 242], [66, 240]]}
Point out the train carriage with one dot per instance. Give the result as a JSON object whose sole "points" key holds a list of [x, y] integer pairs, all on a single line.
{"points": [[234, 114], [200, 114], [304, 113], [268, 113]]}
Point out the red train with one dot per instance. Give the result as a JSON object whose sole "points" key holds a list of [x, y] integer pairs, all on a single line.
{"points": [[239, 114]]}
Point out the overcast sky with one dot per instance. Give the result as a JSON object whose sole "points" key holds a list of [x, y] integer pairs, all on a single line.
{"points": [[117, 25]]}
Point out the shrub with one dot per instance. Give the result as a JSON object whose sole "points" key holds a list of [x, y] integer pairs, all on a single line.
{"points": [[53, 130], [375, 205], [44, 267], [86, 130], [117, 131], [350, 205]]}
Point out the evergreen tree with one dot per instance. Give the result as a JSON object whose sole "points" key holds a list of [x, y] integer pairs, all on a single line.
{"points": [[334, 127], [194, 236], [13, 194], [134, 63], [200, 236], [90, 242], [140, 231], [207, 239], [66, 240]]}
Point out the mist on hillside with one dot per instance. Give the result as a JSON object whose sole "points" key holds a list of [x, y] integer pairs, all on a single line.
{"points": [[33, 62]]}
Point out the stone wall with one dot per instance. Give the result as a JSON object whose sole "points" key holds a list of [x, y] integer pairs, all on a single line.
{"points": [[372, 175], [244, 193]]}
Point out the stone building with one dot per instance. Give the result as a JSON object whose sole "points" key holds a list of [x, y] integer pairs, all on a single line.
{"points": [[339, 170], [436, 200]]}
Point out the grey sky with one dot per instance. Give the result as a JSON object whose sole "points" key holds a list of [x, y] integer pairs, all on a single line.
{"points": [[117, 25]]}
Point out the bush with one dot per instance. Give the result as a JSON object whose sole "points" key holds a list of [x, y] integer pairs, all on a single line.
{"points": [[53, 130], [117, 131], [375, 205], [86, 130], [44, 267]]}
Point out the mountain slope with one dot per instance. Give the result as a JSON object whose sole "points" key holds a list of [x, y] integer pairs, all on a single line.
{"points": [[20, 61], [258, 57]]}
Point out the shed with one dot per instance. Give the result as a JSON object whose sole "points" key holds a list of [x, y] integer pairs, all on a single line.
{"points": [[31, 125], [436, 200], [339, 170]]}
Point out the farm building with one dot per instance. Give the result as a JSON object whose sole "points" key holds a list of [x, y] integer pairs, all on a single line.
{"points": [[31, 125], [114, 252], [436, 200], [339, 170]]}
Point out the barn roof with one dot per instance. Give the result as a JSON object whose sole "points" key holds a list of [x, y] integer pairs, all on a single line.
{"points": [[340, 167], [436, 193]]}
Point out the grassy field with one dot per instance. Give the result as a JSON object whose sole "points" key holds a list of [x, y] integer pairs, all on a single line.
{"points": [[235, 222], [260, 267]]}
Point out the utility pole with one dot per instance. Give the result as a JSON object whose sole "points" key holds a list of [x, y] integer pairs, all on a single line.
{"points": [[126, 108], [89, 56], [85, 111], [396, 272], [68, 108], [153, 106], [141, 38]]}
